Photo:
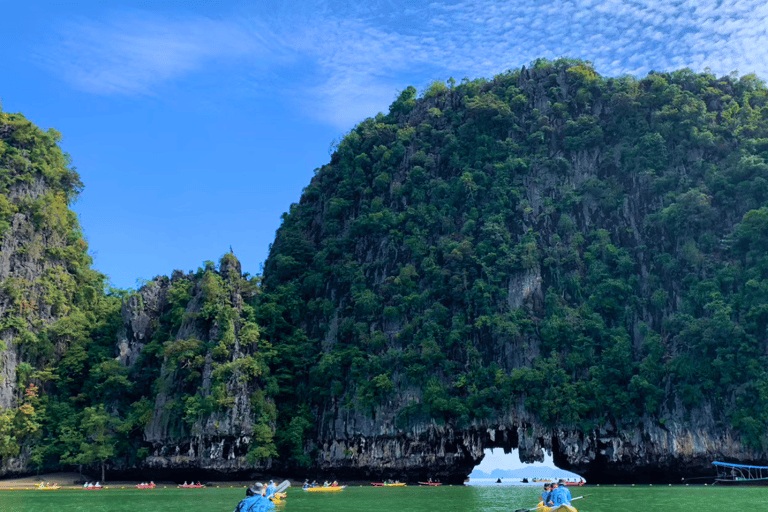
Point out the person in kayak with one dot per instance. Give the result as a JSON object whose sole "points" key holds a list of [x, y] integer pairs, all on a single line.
{"points": [[255, 501], [560, 494], [546, 495], [271, 489]]}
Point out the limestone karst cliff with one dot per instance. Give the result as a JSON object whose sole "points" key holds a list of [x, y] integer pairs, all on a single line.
{"points": [[548, 260], [190, 340], [51, 302]]}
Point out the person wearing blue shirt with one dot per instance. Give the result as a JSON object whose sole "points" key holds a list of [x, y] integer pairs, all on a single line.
{"points": [[545, 495], [560, 494], [271, 489], [255, 501], [554, 496]]}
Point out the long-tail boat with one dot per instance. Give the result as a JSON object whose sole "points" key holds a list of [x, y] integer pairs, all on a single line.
{"points": [[740, 474]]}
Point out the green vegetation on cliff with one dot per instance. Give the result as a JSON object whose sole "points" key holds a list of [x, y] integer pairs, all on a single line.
{"points": [[69, 395], [590, 249], [576, 249], [57, 321]]}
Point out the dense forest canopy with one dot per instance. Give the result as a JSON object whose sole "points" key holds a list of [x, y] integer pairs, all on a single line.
{"points": [[70, 395], [592, 250], [57, 318], [588, 248]]}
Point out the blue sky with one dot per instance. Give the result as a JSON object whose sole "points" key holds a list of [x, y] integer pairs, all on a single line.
{"points": [[195, 124]]}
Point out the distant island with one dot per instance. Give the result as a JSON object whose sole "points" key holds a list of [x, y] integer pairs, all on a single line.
{"points": [[538, 472]]}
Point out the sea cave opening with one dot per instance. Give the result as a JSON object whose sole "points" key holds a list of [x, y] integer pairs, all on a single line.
{"points": [[500, 468]]}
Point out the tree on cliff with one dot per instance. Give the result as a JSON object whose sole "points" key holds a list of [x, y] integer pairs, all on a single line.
{"points": [[97, 434]]}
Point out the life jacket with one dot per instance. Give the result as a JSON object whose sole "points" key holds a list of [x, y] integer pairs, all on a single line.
{"points": [[561, 496], [256, 503]]}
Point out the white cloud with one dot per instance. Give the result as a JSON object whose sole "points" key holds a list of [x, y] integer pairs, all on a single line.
{"points": [[136, 52], [345, 63]]}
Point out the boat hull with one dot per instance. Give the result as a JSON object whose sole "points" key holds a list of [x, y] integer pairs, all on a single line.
{"points": [[324, 489], [747, 482], [562, 508]]}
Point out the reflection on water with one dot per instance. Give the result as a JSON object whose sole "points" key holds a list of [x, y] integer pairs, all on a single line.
{"points": [[503, 499], [420, 499]]}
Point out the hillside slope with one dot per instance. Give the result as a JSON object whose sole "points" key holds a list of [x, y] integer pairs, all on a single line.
{"points": [[548, 259], [54, 309], [167, 381]]}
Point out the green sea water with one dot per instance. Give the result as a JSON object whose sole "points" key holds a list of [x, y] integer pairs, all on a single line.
{"points": [[396, 499]]}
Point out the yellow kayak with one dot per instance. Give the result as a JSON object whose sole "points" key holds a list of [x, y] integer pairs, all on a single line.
{"points": [[325, 489], [562, 508], [42, 487]]}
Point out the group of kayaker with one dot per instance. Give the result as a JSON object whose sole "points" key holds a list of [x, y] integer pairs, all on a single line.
{"points": [[308, 485], [556, 494]]}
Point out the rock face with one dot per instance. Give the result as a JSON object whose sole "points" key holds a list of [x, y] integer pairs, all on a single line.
{"points": [[355, 447], [44, 272], [22, 263], [549, 261], [213, 439]]}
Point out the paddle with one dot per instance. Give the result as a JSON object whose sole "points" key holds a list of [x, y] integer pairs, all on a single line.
{"points": [[553, 508], [283, 486]]}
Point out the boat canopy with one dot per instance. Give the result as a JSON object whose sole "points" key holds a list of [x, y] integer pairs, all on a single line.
{"points": [[740, 473], [740, 466]]}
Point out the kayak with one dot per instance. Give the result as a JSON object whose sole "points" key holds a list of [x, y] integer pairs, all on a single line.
{"points": [[325, 489], [278, 498], [430, 483], [562, 508], [381, 484]]}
